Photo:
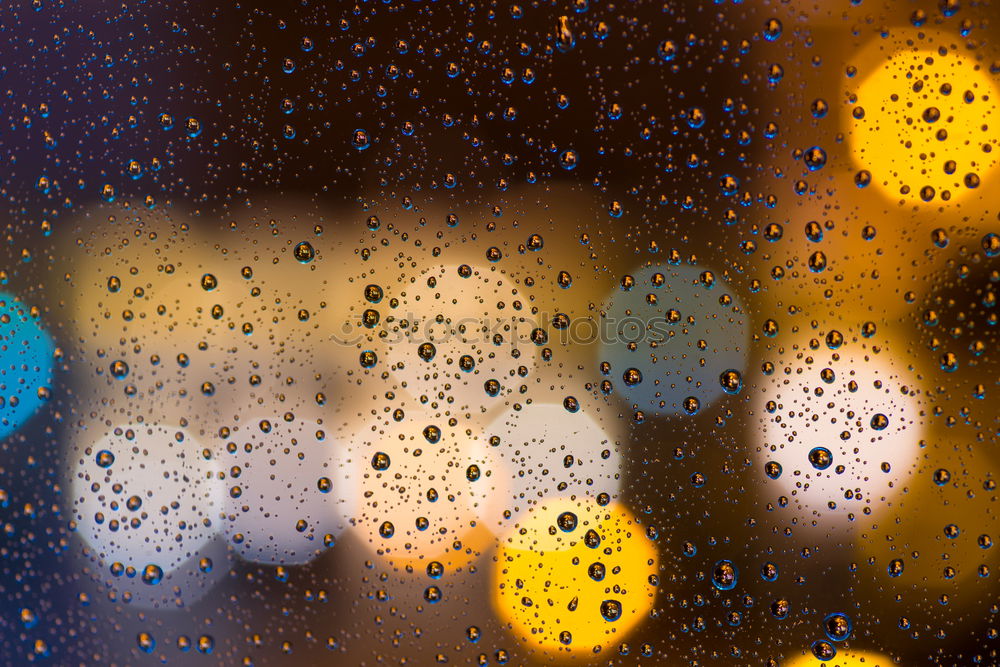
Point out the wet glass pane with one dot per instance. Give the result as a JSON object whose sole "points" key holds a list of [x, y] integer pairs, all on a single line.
{"points": [[580, 332]]}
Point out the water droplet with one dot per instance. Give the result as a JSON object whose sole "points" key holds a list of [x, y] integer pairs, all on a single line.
{"points": [[611, 610], [731, 381], [566, 522], [725, 575], [814, 158], [360, 139], [772, 29], [820, 458], [304, 252], [380, 461], [152, 575], [838, 627], [823, 650]]}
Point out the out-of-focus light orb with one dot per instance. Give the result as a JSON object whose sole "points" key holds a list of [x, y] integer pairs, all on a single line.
{"points": [[26, 352], [923, 124], [542, 451], [839, 430], [146, 498], [415, 478], [289, 490], [181, 587], [574, 577], [190, 311], [451, 326], [843, 658], [669, 335]]}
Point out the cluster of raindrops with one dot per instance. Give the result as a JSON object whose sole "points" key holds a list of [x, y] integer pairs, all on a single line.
{"points": [[386, 332]]}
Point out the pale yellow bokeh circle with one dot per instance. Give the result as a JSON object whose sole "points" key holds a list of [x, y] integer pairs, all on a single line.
{"points": [[416, 502], [554, 588], [925, 124]]}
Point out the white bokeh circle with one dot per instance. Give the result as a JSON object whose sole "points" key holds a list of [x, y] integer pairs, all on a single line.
{"points": [[542, 451], [289, 490], [145, 494], [457, 313], [865, 409], [423, 490]]}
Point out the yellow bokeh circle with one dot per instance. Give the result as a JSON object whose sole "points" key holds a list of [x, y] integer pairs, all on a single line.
{"points": [[924, 124], [574, 576]]}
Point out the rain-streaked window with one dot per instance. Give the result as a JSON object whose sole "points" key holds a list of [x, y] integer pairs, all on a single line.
{"points": [[450, 332]]}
